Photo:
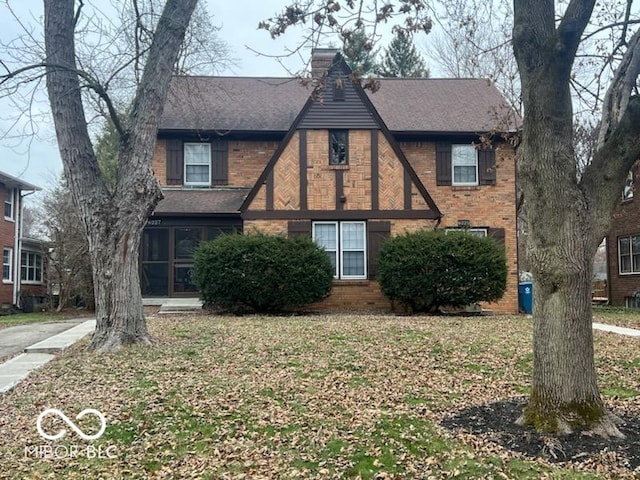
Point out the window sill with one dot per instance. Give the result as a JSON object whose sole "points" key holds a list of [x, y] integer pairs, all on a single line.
{"points": [[338, 167], [7, 219], [7, 282], [626, 274], [351, 282], [31, 282], [462, 188]]}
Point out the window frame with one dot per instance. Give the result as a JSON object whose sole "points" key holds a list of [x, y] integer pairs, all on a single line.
{"points": [[9, 200], [470, 231], [36, 267], [630, 255], [459, 147], [340, 249], [341, 132], [8, 279], [187, 163]]}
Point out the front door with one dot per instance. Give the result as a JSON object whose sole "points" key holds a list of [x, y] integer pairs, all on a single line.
{"points": [[185, 242]]}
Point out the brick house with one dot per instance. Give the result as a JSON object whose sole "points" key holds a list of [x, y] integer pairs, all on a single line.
{"points": [[623, 247], [22, 258], [347, 167]]}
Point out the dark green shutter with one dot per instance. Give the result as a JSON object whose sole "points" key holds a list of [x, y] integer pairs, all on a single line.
{"points": [[299, 228], [487, 166], [497, 234], [219, 162], [443, 163], [378, 232], [174, 162]]}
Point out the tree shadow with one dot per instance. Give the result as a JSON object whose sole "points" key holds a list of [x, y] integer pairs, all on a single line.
{"points": [[496, 422]]}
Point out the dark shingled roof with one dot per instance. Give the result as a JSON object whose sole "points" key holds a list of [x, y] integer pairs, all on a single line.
{"points": [[271, 104], [199, 201]]}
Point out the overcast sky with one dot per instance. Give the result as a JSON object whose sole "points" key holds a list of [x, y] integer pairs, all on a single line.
{"points": [[36, 159]]}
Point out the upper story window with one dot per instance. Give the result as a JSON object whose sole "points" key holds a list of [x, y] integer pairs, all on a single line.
{"points": [[7, 256], [338, 147], [345, 243], [8, 204], [629, 254], [197, 164], [627, 191], [31, 267], [464, 165]]}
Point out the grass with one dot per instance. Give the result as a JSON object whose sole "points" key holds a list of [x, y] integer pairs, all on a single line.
{"points": [[300, 397], [622, 317], [38, 317]]}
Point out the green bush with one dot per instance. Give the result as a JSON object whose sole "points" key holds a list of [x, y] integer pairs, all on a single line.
{"points": [[429, 269], [265, 273]]}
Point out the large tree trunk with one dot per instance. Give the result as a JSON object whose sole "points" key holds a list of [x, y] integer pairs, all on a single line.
{"points": [[113, 219], [568, 215]]}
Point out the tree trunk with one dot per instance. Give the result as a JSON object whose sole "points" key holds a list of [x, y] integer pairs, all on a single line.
{"points": [[113, 220]]}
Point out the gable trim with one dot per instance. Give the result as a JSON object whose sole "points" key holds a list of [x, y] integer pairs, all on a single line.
{"points": [[341, 215]]}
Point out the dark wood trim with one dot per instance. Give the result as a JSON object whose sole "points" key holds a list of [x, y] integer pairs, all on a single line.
{"points": [[407, 190], [339, 189], [302, 140], [375, 172], [269, 191], [340, 214]]}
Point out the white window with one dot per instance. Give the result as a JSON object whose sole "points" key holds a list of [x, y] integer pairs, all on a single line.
{"points": [[197, 164], [7, 257], [8, 204], [31, 267], [464, 165], [627, 192], [345, 243], [629, 254], [478, 232]]}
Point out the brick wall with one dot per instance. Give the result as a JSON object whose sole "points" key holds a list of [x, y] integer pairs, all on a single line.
{"points": [[625, 222], [246, 158], [7, 239], [484, 206]]}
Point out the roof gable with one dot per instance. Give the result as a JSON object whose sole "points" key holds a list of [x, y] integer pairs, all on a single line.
{"points": [[313, 116]]}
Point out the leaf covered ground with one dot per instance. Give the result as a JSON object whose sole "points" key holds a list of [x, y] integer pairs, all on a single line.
{"points": [[322, 397]]}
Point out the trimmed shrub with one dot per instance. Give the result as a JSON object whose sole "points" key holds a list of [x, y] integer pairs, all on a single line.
{"points": [[429, 269], [264, 273]]}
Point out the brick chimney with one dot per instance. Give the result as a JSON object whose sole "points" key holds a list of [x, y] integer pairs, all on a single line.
{"points": [[321, 61]]}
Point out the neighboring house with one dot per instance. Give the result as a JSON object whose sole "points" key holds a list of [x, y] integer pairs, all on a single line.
{"points": [[623, 247], [347, 167], [22, 258]]}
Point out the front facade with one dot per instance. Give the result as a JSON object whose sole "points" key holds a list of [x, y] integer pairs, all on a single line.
{"points": [[345, 166], [22, 258], [623, 247]]}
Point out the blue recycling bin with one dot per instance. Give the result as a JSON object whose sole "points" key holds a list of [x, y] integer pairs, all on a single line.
{"points": [[525, 297]]}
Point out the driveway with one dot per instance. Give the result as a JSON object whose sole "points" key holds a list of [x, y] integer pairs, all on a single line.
{"points": [[14, 340]]}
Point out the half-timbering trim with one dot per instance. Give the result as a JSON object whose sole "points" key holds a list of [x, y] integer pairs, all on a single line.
{"points": [[302, 140], [375, 172], [341, 214]]}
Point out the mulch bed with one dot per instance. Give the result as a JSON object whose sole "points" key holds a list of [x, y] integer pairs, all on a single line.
{"points": [[495, 422]]}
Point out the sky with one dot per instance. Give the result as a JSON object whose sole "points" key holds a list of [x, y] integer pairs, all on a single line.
{"points": [[36, 159]]}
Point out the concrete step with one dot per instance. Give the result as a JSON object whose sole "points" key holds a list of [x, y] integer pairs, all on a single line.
{"points": [[181, 305]]}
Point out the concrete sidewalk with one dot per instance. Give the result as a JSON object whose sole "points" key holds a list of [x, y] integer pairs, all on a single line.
{"points": [[18, 368], [629, 332], [14, 340]]}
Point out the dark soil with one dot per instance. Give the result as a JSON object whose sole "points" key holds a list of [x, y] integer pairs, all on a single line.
{"points": [[496, 423]]}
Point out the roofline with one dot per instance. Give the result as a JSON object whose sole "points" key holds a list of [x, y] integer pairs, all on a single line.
{"points": [[16, 182], [196, 214]]}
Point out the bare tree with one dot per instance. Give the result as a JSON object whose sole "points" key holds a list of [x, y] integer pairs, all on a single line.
{"points": [[568, 213], [113, 220]]}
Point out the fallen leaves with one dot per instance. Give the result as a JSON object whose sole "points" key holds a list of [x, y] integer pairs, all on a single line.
{"points": [[340, 396]]}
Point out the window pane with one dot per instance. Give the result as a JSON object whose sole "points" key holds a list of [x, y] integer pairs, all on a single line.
{"points": [[332, 257], [353, 236], [155, 245], [196, 153], [624, 246], [464, 174], [636, 263], [625, 264], [183, 279], [197, 174], [325, 235], [353, 263], [635, 244], [187, 240], [338, 147], [464, 155]]}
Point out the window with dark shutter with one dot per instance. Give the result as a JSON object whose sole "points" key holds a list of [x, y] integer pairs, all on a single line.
{"points": [[378, 232], [487, 166], [443, 163], [174, 162]]}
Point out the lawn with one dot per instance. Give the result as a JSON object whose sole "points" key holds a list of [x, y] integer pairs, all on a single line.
{"points": [[371, 397], [39, 317]]}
